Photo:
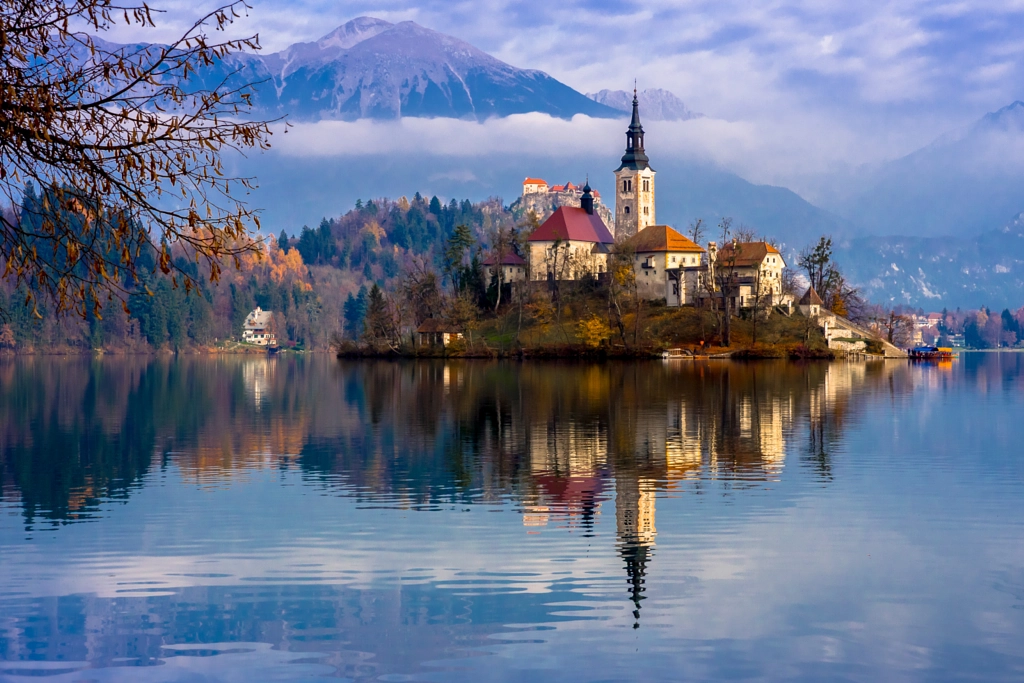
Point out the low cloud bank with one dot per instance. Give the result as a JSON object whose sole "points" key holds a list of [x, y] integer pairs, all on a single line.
{"points": [[761, 152]]}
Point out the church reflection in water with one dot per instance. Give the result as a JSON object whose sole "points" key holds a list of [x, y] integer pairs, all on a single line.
{"points": [[559, 442]]}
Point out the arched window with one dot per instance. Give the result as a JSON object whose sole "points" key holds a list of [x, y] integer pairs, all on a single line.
{"points": [[625, 210]]}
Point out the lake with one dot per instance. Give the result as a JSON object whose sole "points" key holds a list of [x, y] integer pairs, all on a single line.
{"points": [[304, 519]]}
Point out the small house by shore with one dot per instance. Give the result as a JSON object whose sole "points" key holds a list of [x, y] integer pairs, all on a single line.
{"points": [[435, 332]]}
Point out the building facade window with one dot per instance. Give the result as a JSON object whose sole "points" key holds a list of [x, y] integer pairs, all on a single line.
{"points": [[625, 210], [646, 210], [647, 185], [627, 185]]}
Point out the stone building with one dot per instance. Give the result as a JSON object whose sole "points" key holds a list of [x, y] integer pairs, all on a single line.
{"points": [[571, 243], [750, 273], [513, 267], [634, 182], [667, 265], [544, 199]]}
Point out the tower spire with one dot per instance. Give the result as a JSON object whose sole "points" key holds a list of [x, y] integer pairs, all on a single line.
{"points": [[587, 200], [635, 158]]}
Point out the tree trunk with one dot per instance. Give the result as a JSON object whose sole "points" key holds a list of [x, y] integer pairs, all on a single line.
{"points": [[727, 326]]}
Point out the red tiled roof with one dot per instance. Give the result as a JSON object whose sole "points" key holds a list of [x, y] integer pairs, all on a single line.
{"points": [[534, 181], [511, 259], [572, 223]]}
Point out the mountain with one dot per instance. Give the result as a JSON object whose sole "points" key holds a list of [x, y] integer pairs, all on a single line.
{"points": [[655, 103], [966, 182], [932, 272], [370, 68]]}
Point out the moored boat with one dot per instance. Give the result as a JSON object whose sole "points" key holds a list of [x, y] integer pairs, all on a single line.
{"points": [[930, 353]]}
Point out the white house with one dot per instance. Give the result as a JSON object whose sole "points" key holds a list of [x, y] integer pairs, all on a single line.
{"points": [[750, 271], [513, 268], [667, 265], [258, 328]]}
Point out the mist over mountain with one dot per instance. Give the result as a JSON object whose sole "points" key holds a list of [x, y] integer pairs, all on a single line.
{"points": [[933, 272], [656, 104], [370, 68], [967, 182]]}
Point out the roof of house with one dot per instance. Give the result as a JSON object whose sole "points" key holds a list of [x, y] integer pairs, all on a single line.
{"points": [[434, 326], [811, 298], [572, 223], [510, 259], [661, 238], [259, 319], [534, 181], [743, 254], [568, 187]]}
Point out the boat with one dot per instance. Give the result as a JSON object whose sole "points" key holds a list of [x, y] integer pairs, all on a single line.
{"points": [[930, 353]]}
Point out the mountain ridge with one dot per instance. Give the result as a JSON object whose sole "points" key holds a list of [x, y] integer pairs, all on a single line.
{"points": [[656, 104], [370, 68]]}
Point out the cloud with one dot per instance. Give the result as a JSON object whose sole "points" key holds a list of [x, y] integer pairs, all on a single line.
{"points": [[871, 81], [762, 154]]}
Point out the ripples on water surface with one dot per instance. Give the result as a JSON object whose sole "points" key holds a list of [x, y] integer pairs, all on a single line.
{"points": [[239, 519]]}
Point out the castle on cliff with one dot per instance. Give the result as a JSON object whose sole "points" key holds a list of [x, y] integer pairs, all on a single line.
{"points": [[634, 189]]}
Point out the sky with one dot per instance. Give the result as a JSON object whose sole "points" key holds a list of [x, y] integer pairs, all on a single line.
{"points": [[790, 89]]}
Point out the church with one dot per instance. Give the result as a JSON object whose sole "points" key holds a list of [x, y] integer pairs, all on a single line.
{"points": [[634, 181], [574, 242]]}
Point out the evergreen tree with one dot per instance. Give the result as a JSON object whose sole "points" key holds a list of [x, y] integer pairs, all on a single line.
{"points": [[307, 245], [326, 247], [282, 241], [355, 313]]}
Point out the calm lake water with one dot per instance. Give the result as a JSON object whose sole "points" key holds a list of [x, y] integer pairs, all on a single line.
{"points": [[280, 519]]}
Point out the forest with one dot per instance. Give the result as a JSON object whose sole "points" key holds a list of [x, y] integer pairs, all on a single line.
{"points": [[370, 276]]}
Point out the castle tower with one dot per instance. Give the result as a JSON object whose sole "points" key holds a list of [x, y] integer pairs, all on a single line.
{"points": [[634, 181]]}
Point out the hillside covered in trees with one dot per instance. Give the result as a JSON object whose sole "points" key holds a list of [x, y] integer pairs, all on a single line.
{"points": [[304, 278], [372, 275]]}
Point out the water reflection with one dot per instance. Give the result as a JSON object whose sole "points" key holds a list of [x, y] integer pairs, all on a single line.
{"points": [[553, 437], [560, 445]]}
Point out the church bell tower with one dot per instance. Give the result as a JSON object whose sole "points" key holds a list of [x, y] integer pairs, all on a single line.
{"points": [[634, 181]]}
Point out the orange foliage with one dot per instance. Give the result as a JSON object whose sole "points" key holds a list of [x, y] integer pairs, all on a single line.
{"points": [[281, 267]]}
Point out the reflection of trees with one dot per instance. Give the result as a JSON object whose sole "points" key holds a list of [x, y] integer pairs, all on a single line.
{"points": [[556, 438]]}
